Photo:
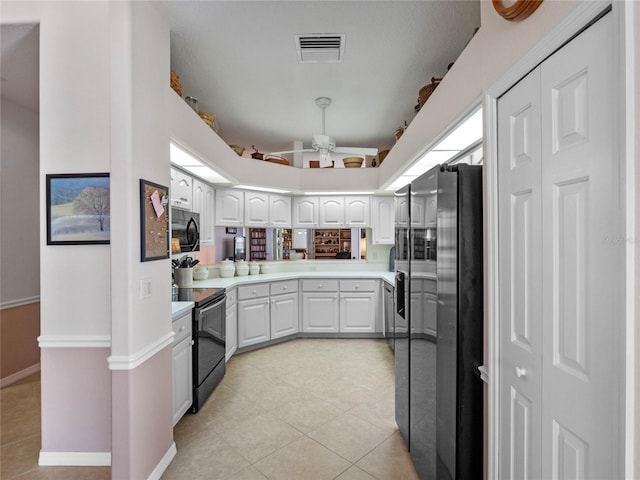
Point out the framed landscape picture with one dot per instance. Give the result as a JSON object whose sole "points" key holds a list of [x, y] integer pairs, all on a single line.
{"points": [[78, 209]]}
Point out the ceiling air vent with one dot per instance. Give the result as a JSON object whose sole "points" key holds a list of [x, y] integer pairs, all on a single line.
{"points": [[320, 48]]}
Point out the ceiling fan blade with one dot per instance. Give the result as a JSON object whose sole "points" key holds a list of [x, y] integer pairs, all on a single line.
{"points": [[356, 150], [292, 151]]}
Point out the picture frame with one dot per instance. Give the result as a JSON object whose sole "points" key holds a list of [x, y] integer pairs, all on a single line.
{"points": [[154, 221], [78, 209]]}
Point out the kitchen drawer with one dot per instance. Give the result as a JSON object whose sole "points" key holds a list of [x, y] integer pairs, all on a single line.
{"points": [[255, 290], [323, 285], [430, 286], [181, 328], [357, 285], [286, 286], [232, 296]]}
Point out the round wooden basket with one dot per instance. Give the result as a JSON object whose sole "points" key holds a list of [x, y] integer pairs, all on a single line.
{"points": [[352, 162], [427, 90], [175, 83], [207, 117], [278, 160]]}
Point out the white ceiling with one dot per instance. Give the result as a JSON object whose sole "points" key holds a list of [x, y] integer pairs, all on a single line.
{"points": [[239, 59]]}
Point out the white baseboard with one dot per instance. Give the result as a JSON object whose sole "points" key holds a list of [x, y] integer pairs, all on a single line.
{"points": [[76, 459], [164, 463], [14, 377]]}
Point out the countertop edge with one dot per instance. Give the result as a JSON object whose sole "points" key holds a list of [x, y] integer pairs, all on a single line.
{"points": [[232, 282]]}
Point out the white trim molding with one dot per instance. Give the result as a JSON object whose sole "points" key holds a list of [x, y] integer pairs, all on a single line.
{"points": [[14, 377], [74, 341], [164, 463], [76, 459], [20, 302], [129, 362]]}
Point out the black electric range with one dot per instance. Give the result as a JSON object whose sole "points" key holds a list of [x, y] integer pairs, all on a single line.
{"points": [[209, 339], [198, 295]]}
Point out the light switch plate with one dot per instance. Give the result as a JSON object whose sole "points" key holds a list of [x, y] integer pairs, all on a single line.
{"points": [[145, 288]]}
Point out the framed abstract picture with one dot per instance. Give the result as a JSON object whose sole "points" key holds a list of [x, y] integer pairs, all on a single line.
{"points": [[78, 209]]}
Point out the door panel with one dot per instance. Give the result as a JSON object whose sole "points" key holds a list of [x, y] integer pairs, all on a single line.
{"points": [[520, 246], [580, 366]]}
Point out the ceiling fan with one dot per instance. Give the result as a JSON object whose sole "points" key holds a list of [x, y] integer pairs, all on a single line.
{"points": [[325, 145]]}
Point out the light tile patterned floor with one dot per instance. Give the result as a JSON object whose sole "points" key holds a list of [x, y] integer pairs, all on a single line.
{"points": [[305, 409]]}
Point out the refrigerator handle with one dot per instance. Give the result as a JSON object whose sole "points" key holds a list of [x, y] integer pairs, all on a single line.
{"points": [[400, 277]]}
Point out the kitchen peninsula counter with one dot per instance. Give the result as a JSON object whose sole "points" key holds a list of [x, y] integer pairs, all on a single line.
{"points": [[273, 277]]}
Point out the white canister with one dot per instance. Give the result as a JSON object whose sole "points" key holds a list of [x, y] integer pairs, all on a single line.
{"points": [[227, 269], [266, 267], [200, 273], [242, 268], [254, 268]]}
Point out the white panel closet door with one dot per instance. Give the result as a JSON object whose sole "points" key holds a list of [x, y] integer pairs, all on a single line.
{"points": [[560, 377], [580, 371], [520, 247]]}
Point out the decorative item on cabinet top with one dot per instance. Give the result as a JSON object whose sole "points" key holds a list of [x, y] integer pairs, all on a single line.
{"points": [[256, 154], [238, 149], [208, 118], [517, 10], [175, 83], [352, 162], [277, 159]]}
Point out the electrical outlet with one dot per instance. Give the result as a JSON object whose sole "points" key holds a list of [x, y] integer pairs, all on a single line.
{"points": [[145, 288]]}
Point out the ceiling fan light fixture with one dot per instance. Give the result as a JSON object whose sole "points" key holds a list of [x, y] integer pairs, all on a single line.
{"points": [[324, 158]]}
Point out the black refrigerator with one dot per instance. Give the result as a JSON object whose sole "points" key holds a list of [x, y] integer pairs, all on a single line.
{"points": [[439, 321]]}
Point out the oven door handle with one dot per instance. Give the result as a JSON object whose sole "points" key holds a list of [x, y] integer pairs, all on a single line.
{"points": [[211, 307]]}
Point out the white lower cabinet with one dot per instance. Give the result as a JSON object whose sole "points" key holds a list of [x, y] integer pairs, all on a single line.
{"points": [[284, 315], [181, 354], [253, 321], [284, 308], [320, 310], [358, 305]]}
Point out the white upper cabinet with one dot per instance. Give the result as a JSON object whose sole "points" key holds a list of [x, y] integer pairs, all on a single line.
{"points": [[181, 189], [331, 212], [305, 212], [229, 208], [279, 211], [204, 204], [356, 211], [383, 220], [256, 209]]}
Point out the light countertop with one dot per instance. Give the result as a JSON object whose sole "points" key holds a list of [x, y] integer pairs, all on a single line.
{"points": [[271, 277], [180, 308]]}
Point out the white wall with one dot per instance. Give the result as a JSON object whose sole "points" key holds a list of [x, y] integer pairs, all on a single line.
{"points": [[19, 204]]}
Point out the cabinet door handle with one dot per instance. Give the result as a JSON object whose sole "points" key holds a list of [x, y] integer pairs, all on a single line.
{"points": [[521, 372], [253, 292], [182, 328], [319, 285], [285, 287], [357, 286]]}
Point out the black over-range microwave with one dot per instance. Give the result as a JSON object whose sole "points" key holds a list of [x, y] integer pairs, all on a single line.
{"points": [[185, 226]]}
